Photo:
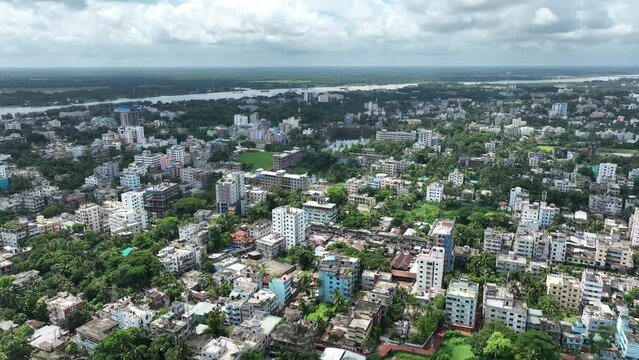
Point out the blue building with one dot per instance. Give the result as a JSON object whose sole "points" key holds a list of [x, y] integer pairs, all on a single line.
{"points": [[627, 336], [441, 234], [341, 274], [130, 180], [282, 287], [4, 184]]}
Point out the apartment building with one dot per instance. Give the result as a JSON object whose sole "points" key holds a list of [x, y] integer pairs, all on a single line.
{"points": [[395, 136], [287, 159], [592, 285], [158, 199], [290, 223], [127, 314], [441, 234], [271, 245], [605, 204], [435, 192], [500, 304], [89, 216], [180, 257], [271, 179], [566, 290], [461, 302], [62, 305], [429, 266], [496, 241], [607, 173], [230, 193], [338, 273], [320, 211]]}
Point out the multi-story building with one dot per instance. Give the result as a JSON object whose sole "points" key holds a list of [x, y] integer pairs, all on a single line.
{"points": [[426, 138], [613, 252], [633, 224], [500, 304], [158, 199], [271, 179], [456, 178], [607, 173], [271, 245], [337, 273], [429, 266], [435, 192], [558, 110], [63, 305], [320, 211], [283, 288], [558, 246], [130, 180], [596, 316], [89, 215], [148, 159], [395, 136], [605, 204], [626, 336], [180, 257], [510, 262], [592, 286], [91, 334], [441, 234], [230, 193], [290, 223], [287, 159], [518, 196], [129, 115], [223, 348], [566, 290], [127, 314], [127, 221], [461, 302], [496, 241]]}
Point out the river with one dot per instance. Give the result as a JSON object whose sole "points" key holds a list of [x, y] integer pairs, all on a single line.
{"points": [[207, 96], [273, 92]]}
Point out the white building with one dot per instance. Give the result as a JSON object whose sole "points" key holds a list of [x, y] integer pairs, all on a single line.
{"points": [[607, 172], [240, 120], [426, 138], [127, 314], [223, 348], [633, 224], [230, 192], [461, 302], [320, 212], [180, 257], [500, 305], [435, 192], [89, 215], [518, 196], [591, 287], [429, 266], [133, 200], [290, 223], [456, 178], [130, 180]]}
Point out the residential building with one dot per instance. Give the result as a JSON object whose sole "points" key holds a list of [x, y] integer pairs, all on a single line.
{"points": [[633, 224], [91, 334], [607, 173], [427, 138], [604, 204], [89, 216], [287, 159], [230, 193], [456, 178], [338, 273], [271, 245], [127, 314], [223, 348], [290, 223], [496, 241], [271, 179], [461, 302], [283, 288], [435, 192], [429, 265], [62, 305], [320, 211], [627, 336], [566, 290], [158, 199], [441, 234], [592, 286], [395, 136], [180, 257], [596, 316], [510, 261], [500, 304]]}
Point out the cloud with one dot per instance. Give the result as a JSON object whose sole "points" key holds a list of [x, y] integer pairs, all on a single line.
{"points": [[312, 32], [544, 16]]}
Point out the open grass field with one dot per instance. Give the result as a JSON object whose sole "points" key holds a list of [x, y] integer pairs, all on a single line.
{"points": [[618, 151], [546, 148], [256, 159], [458, 348]]}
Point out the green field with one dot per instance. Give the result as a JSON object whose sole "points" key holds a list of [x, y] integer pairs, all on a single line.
{"points": [[546, 148], [457, 348], [256, 159], [618, 151]]}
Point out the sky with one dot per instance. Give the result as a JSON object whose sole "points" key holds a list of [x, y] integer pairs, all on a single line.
{"points": [[95, 33]]}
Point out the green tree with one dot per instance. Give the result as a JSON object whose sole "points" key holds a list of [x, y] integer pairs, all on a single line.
{"points": [[550, 306], [187, 206], [215, 322], [483, 267], [498, 347], [303, 255], [132, 343], [479, 339], [51, 211], [535, 345], [337, 194]]}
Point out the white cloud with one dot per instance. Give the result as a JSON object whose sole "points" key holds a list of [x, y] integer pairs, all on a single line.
{"points": [[545, 16], [316, 32]]}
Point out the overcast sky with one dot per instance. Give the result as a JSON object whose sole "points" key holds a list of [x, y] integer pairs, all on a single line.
{"points": [[47, 33]]}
